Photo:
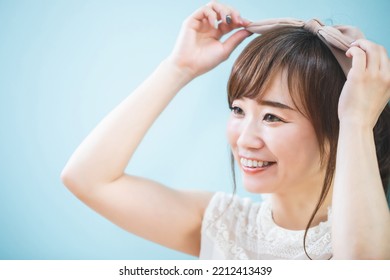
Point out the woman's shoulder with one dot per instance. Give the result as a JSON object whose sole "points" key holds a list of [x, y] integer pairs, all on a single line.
{"points": [[230, 223]]}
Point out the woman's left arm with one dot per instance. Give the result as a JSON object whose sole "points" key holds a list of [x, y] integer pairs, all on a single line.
{"points": [[361, 217]]}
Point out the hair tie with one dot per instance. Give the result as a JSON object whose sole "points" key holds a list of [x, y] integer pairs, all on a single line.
{"points": [[338, 38]]}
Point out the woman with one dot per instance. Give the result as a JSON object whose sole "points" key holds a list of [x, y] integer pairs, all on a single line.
{"points": [[282, 145]]}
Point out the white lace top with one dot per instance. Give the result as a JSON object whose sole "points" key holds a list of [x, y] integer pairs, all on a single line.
{"points": [[238, 228]]}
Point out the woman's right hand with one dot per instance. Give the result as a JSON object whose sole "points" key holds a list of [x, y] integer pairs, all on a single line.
{"points": [[199, 48]]}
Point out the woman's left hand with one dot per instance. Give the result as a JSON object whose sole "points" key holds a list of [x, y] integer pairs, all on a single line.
{"points": [[367, 89]]}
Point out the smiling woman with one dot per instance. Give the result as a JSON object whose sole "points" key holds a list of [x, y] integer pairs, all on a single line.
{"points": [[284, 91], [297, 125]]}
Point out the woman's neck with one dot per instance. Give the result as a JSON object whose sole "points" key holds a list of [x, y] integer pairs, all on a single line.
{"points": [[293, 212]]}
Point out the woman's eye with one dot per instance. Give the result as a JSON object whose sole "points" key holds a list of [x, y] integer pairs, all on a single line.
{"points": [[237, 110], [271, 118]]}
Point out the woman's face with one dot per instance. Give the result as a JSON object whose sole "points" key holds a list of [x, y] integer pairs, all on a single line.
{"points": [[274, 145]]}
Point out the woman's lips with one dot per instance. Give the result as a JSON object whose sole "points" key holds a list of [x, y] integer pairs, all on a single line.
{"points": [[254, 166]]}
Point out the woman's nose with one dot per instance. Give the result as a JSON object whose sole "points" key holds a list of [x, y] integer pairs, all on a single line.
{"points": [[250, 136]]}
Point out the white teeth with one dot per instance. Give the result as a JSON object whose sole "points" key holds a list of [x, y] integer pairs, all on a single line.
{"points": [[253, 163]]}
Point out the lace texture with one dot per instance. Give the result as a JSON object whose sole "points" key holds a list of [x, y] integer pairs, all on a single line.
{"points": [[237, 228]]}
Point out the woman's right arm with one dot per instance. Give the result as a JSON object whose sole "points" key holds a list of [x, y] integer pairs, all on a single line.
{"points": [[95, 172]]}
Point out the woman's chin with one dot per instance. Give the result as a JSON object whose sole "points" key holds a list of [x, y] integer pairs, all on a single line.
{"points": [[254, 186]]}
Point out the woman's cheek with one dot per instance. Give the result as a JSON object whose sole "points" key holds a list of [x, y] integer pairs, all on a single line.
{"points": [[233, 131]]}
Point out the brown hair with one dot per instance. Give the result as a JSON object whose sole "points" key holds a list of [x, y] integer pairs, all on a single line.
{"points": [[315, 80]]}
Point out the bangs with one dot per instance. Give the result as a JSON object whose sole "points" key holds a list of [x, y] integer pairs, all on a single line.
{"points": [[253, 72], [264, 58]]}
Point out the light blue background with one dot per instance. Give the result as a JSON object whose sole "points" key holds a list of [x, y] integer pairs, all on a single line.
{"points": [[65, 64]]}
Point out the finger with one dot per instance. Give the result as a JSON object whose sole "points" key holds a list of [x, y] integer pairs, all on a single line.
{"points": [[221, 10], [359, 61], [240, 21], [373, 54], [228, 27], [208, 13], [226, 14], [236, 22]]}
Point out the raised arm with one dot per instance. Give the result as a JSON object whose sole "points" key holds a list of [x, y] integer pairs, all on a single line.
{"points": [[95, 172], [361, 218]]}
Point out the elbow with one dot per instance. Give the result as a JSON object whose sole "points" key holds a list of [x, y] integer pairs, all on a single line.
{"points": [[66, 178], [72, 181], [79, 182]]}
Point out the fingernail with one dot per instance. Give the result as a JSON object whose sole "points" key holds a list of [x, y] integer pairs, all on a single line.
{"points": [[228, 19]]}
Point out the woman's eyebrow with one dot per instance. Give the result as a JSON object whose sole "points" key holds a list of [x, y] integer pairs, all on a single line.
{"points": [[275, 104]]}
